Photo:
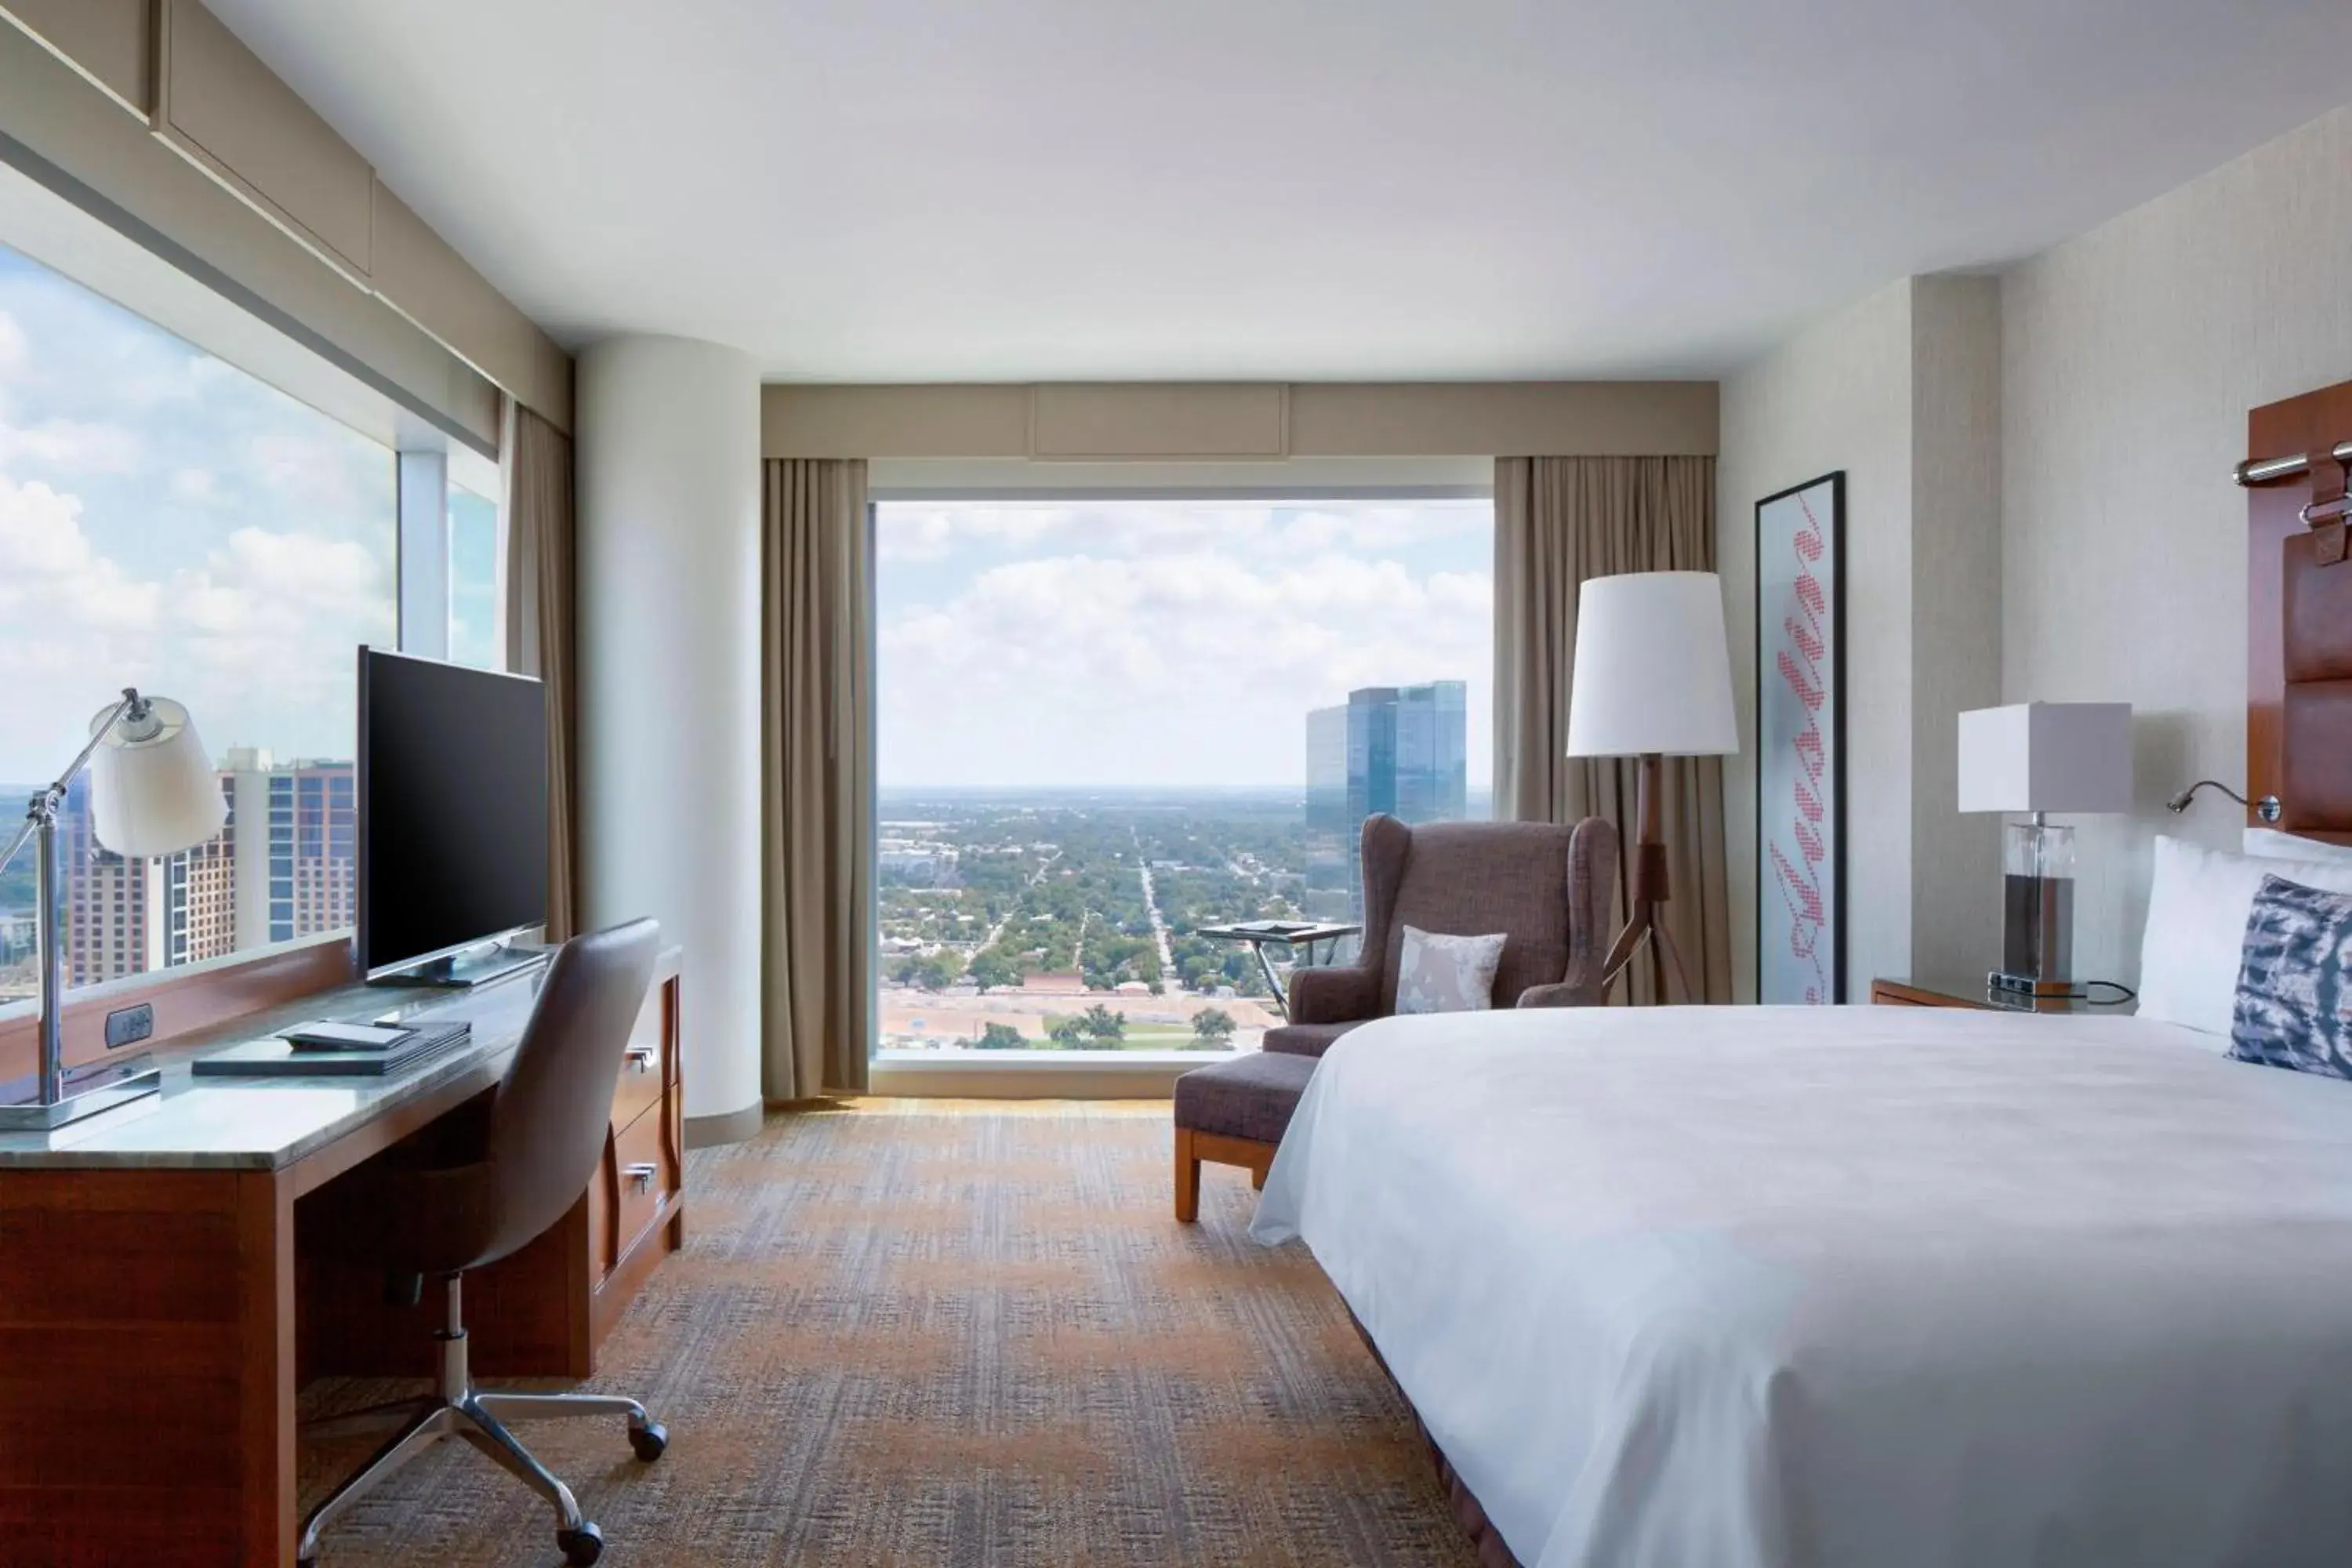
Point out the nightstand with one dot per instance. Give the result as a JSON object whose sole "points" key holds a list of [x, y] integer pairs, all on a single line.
{"points": [[1954, 991]]}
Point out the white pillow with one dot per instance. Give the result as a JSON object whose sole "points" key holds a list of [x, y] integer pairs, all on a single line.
{"points": [[2197, 910], [1454, 973], [2270, 844]]}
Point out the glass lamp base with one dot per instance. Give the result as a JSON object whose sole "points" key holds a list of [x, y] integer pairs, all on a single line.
{"points": [[2037, 927]]}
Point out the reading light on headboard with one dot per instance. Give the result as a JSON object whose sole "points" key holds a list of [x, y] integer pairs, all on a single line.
{"points": [[2267, 808]]}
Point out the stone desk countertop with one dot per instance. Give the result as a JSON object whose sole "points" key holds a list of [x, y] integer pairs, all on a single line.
{"points": [[268, 1123]]}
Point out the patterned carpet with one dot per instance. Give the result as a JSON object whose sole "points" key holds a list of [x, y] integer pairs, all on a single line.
{"points": [[914, 1332]]}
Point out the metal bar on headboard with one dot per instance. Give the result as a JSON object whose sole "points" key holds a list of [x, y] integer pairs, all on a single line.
{"points": [[2270, 470]]}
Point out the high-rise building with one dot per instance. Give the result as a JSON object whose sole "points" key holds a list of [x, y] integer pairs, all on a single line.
{"points": [[1403, 750], [1326, 771], [110, 903], [284, 866], [1432, 754]]}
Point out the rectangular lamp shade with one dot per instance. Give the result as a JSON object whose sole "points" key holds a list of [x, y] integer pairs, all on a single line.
{"points": [[1652, 670], [2046, 756]]}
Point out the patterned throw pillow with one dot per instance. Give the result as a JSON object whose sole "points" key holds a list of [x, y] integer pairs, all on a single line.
{"points": [[1447, 973], [2295, 981]]}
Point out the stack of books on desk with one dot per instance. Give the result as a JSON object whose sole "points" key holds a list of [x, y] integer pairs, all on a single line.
{"points": [[340, 1050]]}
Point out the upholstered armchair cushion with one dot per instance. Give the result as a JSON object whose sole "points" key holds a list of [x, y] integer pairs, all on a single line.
{"points": [[1307, 1039], [1334, 994]]}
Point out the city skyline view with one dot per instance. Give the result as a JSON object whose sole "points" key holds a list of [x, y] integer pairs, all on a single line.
{"points": [[1105, 725], [1163, 644]]}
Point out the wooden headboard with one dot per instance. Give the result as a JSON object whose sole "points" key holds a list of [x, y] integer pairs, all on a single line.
{"points": [[2299, 619]]}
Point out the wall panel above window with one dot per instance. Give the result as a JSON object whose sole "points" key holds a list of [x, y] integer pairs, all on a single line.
{"points": [[238, 181], [111, 42], [220, 101]]}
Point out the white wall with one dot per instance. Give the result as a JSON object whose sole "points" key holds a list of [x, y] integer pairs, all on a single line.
{"points": [[1837, 396], [1901, 392], [669, 689], [2129, 359]]}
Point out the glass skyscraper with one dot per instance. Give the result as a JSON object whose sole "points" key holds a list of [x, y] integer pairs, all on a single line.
{"points": [[1403, 750]]}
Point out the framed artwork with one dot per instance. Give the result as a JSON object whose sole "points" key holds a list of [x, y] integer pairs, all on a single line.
{"points": [[1801, 743]]}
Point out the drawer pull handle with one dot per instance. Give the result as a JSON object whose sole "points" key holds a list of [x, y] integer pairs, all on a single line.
{"points": [[642, 1175], [642, 1056]]}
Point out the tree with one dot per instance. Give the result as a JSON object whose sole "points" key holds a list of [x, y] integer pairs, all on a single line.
{"points": [[929, 971], [1100, 1023], [1000, 1037], [1213, 1027], [1070, 1034], [993, 968]]}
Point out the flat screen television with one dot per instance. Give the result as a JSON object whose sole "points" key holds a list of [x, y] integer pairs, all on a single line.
{"points": [[452, 804]]}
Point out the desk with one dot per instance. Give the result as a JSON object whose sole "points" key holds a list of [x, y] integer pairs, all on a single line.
{"points": [[156, 1314]]}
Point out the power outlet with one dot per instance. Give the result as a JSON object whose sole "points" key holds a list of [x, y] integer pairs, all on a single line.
{"points": [[130, 1025]]}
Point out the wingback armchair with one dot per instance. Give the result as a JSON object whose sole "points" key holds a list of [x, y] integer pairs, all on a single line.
{"points": [[1550, 888]]}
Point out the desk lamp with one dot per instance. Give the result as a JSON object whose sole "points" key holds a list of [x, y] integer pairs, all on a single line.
{"points": [[2037, 758], [1652, 680], [153, 793]]}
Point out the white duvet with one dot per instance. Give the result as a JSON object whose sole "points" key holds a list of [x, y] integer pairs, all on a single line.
{"points": [[1879, 1286]]}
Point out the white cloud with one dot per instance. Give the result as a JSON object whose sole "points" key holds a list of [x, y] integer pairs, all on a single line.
{"points": [[258, 640], [69, 446], [1181, 668]]}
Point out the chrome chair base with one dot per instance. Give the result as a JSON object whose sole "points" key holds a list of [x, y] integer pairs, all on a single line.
{"points": [[457, 1409]]}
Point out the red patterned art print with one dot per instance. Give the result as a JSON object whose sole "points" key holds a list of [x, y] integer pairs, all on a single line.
{"points": [[1799, 722]]}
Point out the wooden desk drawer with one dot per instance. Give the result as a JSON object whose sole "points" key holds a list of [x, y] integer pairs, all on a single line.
{"points": [[648, 1067], [642, 1171]]}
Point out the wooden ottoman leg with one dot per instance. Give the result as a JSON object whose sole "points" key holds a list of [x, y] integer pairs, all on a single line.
{"points": [[1188, 1178]]}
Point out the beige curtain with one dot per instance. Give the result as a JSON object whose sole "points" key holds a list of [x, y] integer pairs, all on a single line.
{"points": [[1558, 522], [817, 778], [540, 567]]}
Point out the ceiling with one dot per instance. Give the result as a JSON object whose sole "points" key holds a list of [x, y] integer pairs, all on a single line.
{"points": [[1013, 190]]}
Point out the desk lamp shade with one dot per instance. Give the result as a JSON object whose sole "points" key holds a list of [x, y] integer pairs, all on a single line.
{"points": [[1653, 672], [153, 790]]}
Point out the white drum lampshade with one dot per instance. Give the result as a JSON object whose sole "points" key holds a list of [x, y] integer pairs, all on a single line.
{"points": [[1653, 672], [153, 790]]}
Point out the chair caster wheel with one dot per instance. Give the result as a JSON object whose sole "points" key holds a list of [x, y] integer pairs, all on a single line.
{"points": [[583, 1546], [650, 1441]]}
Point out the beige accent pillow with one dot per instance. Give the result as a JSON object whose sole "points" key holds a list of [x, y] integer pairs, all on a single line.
{"points": [[1447, 973]]}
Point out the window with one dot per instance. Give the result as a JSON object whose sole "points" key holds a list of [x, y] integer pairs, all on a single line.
{"points": [[474, 579], [1105, 725], [167, 520]]}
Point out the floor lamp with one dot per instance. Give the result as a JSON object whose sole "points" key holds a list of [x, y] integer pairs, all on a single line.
{"points": [[1652, 680], [153, 793]]}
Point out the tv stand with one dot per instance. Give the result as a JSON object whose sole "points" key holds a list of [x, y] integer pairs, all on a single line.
{"points": [[479, 966]]}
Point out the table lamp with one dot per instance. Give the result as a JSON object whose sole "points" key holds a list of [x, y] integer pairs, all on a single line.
{"points": [[1652, 680], [153, 792], [2037, 758]]}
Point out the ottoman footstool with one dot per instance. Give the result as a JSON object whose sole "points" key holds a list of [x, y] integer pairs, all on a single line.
{"points": [[1233, 1113]]}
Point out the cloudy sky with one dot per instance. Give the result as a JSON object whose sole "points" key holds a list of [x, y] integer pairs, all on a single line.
{"points": [[168, 521], [1161, 643]]}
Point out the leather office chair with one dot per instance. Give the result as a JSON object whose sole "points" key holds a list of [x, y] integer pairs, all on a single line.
{"points": [[530, 1161]]}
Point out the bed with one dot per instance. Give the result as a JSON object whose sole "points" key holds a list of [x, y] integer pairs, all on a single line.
{"points": [[1863, 1286]]}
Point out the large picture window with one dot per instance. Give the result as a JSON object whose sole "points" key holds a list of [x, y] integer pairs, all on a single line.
{"points": [[167, 520], [1103, 726]]}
